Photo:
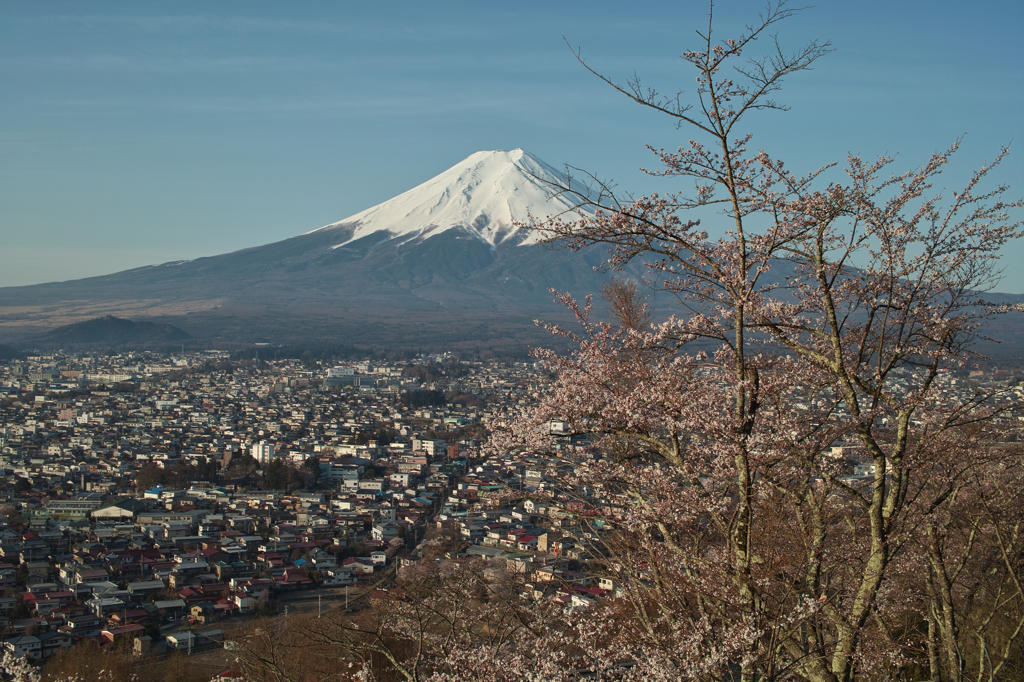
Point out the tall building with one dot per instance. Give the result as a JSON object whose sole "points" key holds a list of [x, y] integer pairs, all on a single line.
{"points": [[263, 452]]}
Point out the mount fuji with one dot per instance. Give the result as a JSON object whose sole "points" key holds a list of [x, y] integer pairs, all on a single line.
{"points": [[483, 196], [440, 263]]}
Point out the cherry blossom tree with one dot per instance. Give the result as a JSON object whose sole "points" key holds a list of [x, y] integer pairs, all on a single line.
{"points": [[439, 622], [789, 487], [784, 441], [17, 669], [965, 568]]}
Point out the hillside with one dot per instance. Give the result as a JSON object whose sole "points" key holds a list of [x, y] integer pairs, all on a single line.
{"points": [[114, 331]]}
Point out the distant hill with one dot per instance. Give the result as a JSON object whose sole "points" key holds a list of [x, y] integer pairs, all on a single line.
{"points": [[9, 352], [114, 331]]}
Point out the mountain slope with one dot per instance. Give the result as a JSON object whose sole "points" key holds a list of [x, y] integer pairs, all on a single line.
{"points": [[447, 249], [482, 195], [439, 264]]}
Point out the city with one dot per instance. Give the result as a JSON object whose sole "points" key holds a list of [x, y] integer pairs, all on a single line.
{"points": [[377, 342], [152, 498]]}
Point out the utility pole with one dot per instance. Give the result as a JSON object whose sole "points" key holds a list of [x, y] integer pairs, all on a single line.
{"points": [[319, 605], [346, 597]]}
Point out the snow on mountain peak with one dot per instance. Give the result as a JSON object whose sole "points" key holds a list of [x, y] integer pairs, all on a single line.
{"points": [[484, 195]]}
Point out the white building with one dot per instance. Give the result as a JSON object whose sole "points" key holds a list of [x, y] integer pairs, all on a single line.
{"points": [[25, 647], [263, 452], [434, 448]]}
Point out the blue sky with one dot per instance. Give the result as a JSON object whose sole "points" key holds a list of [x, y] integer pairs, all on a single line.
{"points": [[138, 133]]}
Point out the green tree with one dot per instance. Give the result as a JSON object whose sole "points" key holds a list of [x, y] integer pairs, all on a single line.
{"points": [[275, 476], [279, 475], [312, 465], [22, 575], [206, 470]]}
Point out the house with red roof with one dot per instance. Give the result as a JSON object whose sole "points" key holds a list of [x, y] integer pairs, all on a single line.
{"points": [[293, 579]]}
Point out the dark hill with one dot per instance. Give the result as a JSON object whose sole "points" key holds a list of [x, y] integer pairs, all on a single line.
{"points": [[10, 352], [114, 331]]}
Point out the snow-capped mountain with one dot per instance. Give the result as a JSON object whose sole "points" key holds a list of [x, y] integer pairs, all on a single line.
{"points": [[445, 253], [440, 265], [484, 195]]}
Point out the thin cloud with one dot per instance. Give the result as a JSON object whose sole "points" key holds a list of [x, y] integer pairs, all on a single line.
{"points": [[137, 64], [193, 22], [399, 103], [349, 26]]}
